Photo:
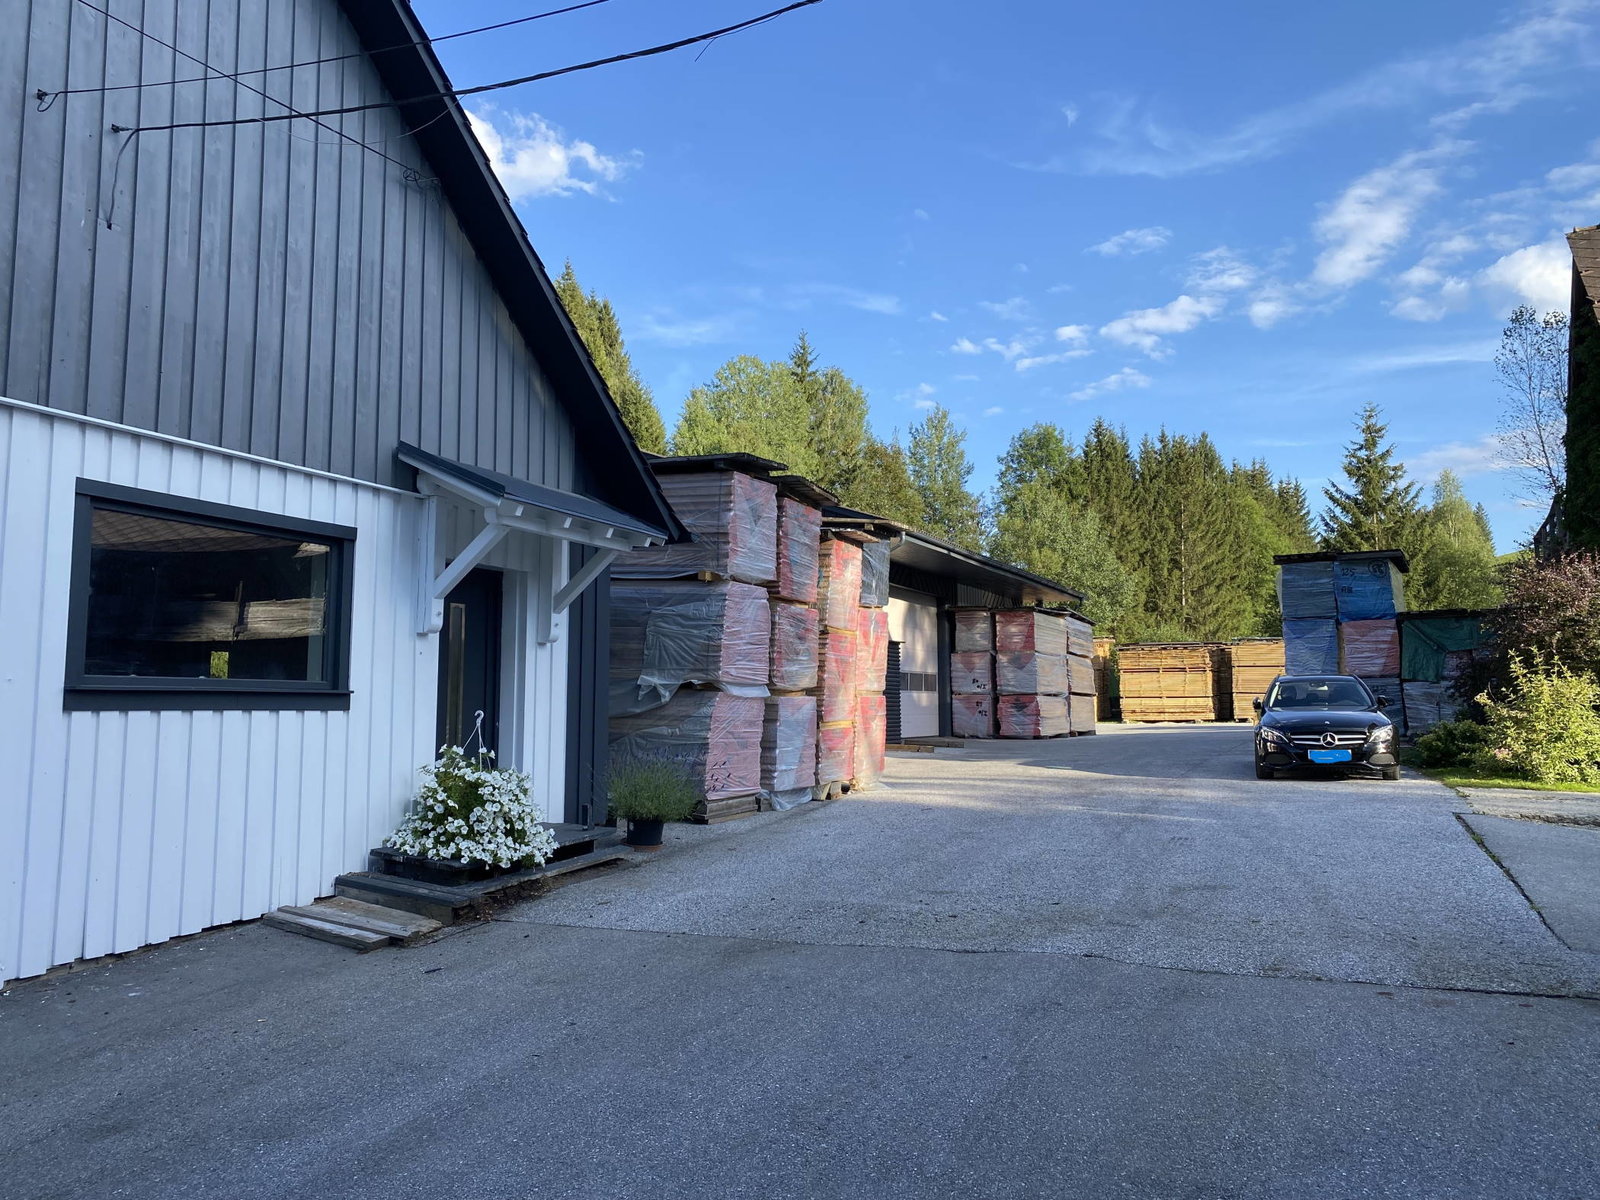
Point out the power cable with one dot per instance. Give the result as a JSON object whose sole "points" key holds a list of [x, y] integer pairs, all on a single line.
{"points": [[47, 98], [412, 174], [471, 91]]}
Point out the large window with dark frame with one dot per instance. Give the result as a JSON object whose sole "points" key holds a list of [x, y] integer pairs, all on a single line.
{"points": [[183, 604]]}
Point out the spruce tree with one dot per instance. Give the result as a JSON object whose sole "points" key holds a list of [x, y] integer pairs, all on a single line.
{"points": [[596, 322], [1041, 529], [1378, 509], [939, 467], [883, 486]]}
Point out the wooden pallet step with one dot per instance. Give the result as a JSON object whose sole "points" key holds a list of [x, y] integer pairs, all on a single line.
{"points": [[404, 927], [326, 931], [447, 905]]}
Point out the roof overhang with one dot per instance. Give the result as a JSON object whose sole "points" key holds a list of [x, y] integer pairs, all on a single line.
{"points": [[935, 556], [1398, 557], [526, 507]]}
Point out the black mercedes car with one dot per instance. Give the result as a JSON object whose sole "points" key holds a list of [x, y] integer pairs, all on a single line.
{"points": [[1323, 721]]}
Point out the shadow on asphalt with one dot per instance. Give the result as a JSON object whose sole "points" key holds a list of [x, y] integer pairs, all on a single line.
{"points": [[1216, 752]]}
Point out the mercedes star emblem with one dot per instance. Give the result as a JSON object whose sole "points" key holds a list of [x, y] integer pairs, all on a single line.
{"points": [[1330, 739]]}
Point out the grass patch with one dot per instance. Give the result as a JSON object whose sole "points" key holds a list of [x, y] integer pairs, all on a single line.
{"points": [[1465, 777]]}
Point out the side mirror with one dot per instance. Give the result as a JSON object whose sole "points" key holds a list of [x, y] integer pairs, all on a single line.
{"points": [[1256, 704], [1383, 701]]}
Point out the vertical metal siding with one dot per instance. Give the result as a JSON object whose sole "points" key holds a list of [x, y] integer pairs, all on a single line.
{"points": [[132, 827], [272, 289]]}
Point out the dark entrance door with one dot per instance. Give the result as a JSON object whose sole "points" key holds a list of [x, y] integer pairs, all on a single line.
{"points": [[469, 661]]}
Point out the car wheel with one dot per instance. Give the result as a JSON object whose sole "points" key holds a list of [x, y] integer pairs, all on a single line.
{"points": [[1264, 772], [1391, 773]]}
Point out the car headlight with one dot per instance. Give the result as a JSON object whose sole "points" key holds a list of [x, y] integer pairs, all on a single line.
{"points": [[1273, 737], [1382, 736]]}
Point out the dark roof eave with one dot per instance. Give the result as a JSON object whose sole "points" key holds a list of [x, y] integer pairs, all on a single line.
{"points": [[1398, 557], [991, 567], [440, 128]]}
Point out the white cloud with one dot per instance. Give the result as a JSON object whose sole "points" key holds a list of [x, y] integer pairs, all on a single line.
{"points": [[669, 330], [1014, 309], [1146, 327], [1128, 377], [1478, 75], [920, 214], [1134, 241], [531, 157], [1076, 334], [1363, 227], [1539, 275], [1270, 305], [936, 315], [923, 404], [993, 411], [1220, 270], [1451, 354], [1009, 351], [966, 346], [1040, 360], [801, 294], [1070, 112], [1464, 458]]}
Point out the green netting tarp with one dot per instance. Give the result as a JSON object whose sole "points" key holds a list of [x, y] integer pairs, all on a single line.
{"points": [[1426, 641]]}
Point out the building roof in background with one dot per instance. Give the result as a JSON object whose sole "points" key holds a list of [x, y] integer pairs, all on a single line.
{"points": [[1398, 557], [1585, 246], [396, 44]]}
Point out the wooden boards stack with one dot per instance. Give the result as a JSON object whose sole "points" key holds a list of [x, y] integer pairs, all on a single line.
{"points": [[1175, 682], [1251, 666]]}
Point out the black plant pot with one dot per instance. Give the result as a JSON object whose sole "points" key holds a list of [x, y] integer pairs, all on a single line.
{"points": [[645, 834]]}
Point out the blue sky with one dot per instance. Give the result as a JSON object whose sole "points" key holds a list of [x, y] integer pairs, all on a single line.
{"points": [[1248, 219]]}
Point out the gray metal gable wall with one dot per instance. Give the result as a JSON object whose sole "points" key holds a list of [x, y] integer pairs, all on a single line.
{"points": [[270, 288]]}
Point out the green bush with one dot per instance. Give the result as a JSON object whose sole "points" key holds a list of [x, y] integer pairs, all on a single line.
{"points": [[651, 790], [1452, 744], [1547, 728]]}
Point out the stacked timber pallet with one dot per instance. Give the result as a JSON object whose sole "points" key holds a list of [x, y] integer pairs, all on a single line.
{"points": [[872, 664], [1251, 665], [1105, 678], [1031, 673], [1168, 681], [972, 694], [1441, 654], [1339, 616], [838, 604], [789, 728], [1082, 687], [692, 639]]}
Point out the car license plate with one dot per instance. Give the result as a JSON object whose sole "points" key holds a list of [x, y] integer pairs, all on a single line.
{"points": [[1330, 756]]}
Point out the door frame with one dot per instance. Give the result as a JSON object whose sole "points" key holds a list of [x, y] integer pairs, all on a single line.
{"points": [[494, 660]]}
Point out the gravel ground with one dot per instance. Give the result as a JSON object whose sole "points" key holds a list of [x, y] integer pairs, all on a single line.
{"points": [[1152, 845]]}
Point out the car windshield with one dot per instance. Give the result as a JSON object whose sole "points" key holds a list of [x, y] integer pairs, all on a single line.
{"points": [[1319, 693]]}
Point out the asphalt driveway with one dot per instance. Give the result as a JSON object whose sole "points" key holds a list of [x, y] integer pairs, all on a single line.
{"points": [[1116, 966]]}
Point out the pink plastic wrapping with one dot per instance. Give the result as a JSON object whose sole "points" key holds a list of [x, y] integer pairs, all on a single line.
{"points": [[836, 752], [1025, 674], [871, 724], [799, 527], [1081, 713], [788, 744], [714, 737], [974, 630], [1080, 675], [838, 676], [1021, 629], [972, 716], [734, 518], [1032, 716], [1369, 648], [667, 633], [1080, 637], [972, 673], [794, 647], [839, 583], [872, 649]]}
